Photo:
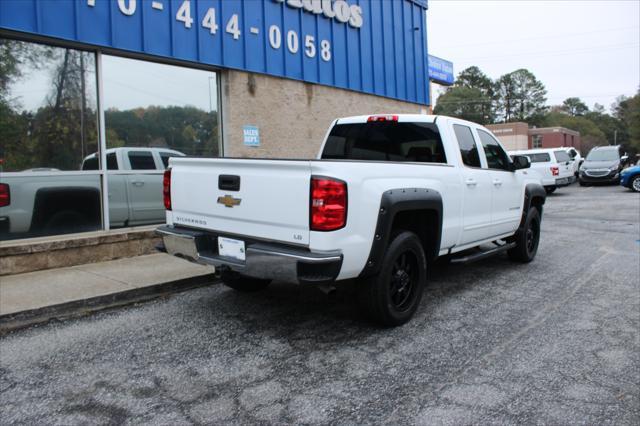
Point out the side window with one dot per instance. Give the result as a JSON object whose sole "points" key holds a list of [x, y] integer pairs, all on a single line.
{"points": [[164, 156], [112, 162], [496, 157], [141, 160], [562, 156], [91, 163], [468, 147]]}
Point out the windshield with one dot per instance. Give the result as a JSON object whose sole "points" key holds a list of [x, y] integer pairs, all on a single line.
{"points": [[603, 155], [385, 141]]}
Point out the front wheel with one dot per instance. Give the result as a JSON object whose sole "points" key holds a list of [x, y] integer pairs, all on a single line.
{"points": [[527, 239], [243, 283], [635, 184], [392, 296]]}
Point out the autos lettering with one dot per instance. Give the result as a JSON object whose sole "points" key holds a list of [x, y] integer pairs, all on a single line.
{"points": [[340, 10]]}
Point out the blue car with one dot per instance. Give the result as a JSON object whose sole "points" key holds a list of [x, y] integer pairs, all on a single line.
{"points": [[630, 177]]}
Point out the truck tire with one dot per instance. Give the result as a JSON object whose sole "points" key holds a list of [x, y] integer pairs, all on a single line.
{"points": [[391, 297], [528, 239], [243, 283]]}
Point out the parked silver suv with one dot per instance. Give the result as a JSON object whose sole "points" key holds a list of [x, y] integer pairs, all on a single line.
{"points": [[602, 165]]}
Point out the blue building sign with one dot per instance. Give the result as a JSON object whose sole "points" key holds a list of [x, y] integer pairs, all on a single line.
{"points": [[251, 135], [440, 71], [371, 46]]}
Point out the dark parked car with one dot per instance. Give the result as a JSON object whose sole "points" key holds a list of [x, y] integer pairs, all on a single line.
{"points": [[602, 165], [630, 177]]}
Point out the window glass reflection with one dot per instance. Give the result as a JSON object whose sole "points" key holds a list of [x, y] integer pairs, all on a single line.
{"points": [[48, 125], [48, 107], [153, 112]]}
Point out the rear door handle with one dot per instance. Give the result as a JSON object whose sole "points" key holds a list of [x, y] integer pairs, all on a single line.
{"points": [[471, 182], [497, 182], [137, 183]]}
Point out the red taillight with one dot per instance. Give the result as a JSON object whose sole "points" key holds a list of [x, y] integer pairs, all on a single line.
{"points": [[555, 171], [166, 189], [328, 204], [377, 118], [5, 195]]}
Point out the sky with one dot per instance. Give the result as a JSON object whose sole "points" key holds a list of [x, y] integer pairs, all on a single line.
{"points": [[128, 84], [585, 49]]}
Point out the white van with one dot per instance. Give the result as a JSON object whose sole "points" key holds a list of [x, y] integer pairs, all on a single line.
{"points": [[553, 164]]}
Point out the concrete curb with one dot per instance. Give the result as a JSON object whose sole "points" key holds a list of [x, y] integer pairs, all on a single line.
{"points": [[79, 308]]}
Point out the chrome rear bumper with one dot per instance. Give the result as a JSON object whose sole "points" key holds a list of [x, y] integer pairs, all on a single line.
{"points": [[263, 260]]}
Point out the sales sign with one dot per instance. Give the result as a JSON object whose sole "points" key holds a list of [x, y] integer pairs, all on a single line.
{"points": [[440, 71], [251, 135], [371, 46]]}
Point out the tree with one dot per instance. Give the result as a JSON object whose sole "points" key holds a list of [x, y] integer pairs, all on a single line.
{"points": [[519, 96], [590, 134], [574, 107], [613, 128], [465, 103], [627, 110], [15, 56], [473, 78]]}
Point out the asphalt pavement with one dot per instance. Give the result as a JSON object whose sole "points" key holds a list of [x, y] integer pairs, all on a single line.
{"points": [[556, 341]]}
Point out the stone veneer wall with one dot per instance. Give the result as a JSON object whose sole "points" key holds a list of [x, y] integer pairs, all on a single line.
{"points": [[292, 116], [18, 257]]}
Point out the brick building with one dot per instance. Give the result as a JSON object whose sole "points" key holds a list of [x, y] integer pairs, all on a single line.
{"points": [[518, 136]]}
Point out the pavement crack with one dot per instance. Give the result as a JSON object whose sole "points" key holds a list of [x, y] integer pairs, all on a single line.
{"points": [[107, 277]]}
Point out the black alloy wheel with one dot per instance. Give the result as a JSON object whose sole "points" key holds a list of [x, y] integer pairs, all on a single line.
{"points": [[532, 237], [527, 239], [403, 282], [392, 296]]}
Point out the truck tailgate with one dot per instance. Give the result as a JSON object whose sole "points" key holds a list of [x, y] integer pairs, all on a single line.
{"points": [[271, 203]]}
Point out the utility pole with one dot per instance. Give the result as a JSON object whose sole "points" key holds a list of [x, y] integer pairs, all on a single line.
{"points": [[615, 137]]}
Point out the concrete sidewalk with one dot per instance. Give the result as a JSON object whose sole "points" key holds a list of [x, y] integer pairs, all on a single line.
{"points": [[34, 297]]}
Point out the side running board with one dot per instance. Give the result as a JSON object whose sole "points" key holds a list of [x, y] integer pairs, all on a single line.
{"points": [[473, 257]]}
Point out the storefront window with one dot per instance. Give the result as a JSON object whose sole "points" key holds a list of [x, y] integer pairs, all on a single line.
{"points": [[48, 127], [50, 162], [153, 112]]}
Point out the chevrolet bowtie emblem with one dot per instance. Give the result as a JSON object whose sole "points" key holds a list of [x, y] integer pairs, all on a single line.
{"points": [[229, 201]]}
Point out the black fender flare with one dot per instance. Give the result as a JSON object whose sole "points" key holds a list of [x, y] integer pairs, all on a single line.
{"points": [[392, 202], [531, 192]]}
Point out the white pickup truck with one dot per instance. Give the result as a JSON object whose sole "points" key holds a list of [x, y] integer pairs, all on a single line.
{"points": [[45, 201], [387, 195], [554, 165]]}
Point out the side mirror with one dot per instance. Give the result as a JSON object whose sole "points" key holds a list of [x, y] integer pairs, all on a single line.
{"points": [[624, 158], [521, 162]]}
